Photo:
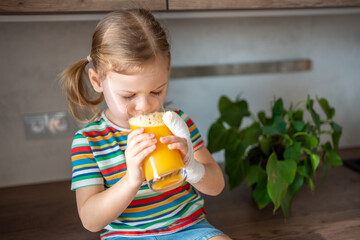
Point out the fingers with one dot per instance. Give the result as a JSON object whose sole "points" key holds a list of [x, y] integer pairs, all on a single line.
{"points": [[139, 145], [137, 137], [175, 142], [171, 139], [142, 153]]}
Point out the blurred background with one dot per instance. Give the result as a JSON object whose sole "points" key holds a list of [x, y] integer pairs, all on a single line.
{"points": [[33, 51]]}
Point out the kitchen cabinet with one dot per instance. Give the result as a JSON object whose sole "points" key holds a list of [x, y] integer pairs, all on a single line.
{"points": [[93, 6], [76, 6], [257, 4]]}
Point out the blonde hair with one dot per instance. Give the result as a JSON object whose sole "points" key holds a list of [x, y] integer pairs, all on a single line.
{"points": [[123, 41]]}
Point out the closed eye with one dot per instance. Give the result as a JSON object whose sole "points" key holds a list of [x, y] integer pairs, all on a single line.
{"points": [[156, 93], [128, 97]]}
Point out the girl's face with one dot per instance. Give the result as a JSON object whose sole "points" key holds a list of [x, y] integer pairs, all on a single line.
{"points": [[140, 88]]}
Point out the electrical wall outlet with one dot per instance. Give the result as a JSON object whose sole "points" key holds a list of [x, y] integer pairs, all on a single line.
{"points": [[49, 125]]}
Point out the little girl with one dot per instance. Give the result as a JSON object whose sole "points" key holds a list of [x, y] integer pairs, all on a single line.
{"points": [[131, 62]]}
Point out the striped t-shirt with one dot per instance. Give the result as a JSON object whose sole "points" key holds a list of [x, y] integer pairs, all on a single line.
{"points": [[98, 159]]}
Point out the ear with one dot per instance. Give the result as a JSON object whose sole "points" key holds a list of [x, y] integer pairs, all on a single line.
{"points": [[95, 81]]}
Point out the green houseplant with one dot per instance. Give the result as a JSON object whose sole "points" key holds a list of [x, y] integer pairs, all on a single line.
{"points": [[277, 155]]}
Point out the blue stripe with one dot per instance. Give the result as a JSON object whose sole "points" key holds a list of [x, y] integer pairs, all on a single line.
{"points": [[194, 132], [83, 161], [188, 189], [169, 205], [144, 218]]}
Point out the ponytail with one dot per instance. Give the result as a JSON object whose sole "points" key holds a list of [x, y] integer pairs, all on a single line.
{"points": [[79, 92]]}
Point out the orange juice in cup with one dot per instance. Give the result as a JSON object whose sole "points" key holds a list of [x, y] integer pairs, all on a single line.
{"points": [[164, 168]]}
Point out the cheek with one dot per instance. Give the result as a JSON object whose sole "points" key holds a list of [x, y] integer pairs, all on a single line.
{"points": [[115, 103]]}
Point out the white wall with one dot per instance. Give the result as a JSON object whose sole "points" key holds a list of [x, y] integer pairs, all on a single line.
{"points": [[33, 53], [331, 42]]}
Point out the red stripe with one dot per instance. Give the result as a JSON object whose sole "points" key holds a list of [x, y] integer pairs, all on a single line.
{"points": [[199, 144], [189, 122], [93, 133], [192, 218], [113, 169], [80, 149], [151, 200], [194, 215], [104, 132]]}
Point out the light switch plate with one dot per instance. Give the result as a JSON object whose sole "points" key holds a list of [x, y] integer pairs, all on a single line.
{"points": [[49, 125]]}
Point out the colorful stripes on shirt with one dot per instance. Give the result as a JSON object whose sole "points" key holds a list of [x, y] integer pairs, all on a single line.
{"points": [[98, 159]]}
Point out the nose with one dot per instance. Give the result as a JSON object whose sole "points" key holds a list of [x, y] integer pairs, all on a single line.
{"points": [[143, 105]]}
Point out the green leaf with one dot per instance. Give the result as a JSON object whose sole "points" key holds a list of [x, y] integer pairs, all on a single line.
{"points": [[309, 141], [266, 145], [288, 139], [337, 131], [277, 109], [254, 174], [329, 111], [298, 115], [217, 137], [262, 118], [298, 125], [278, 127], [293, 189], [310, 183], [293, 152], [315, 117], [326, 147], [224, 103], [250, 135], [235, 166], [234, 113], [333, 158], [307, 151], [306, 169], [260, 193], [280, 175], [315, 160]]}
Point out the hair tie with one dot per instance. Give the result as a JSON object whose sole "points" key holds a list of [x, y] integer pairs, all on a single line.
{"points": [[89, 58]]}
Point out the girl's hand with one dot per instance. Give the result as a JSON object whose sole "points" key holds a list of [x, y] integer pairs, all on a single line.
{"points": [[178, 143], [178, 127], [139, 145]]}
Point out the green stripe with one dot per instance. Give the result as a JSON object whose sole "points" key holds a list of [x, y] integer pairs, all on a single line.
{"points": [[197, 141], [78, 136], [174, 218], [92, 176], [147, 196], [107, 157], [80, 145], [110, 166]]}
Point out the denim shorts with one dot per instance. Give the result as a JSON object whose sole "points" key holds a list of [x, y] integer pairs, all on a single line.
{"points": [[199, 231]]}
